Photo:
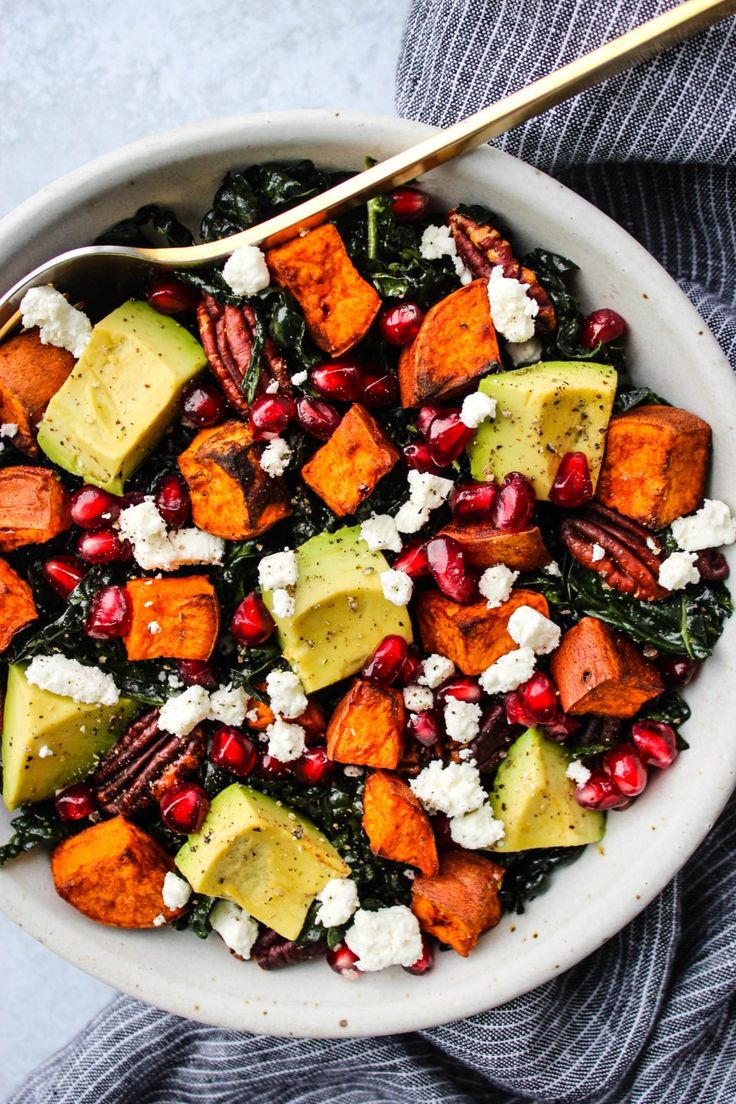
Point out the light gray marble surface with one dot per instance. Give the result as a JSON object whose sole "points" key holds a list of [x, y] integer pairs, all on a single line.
{"points": [[77, 80]]}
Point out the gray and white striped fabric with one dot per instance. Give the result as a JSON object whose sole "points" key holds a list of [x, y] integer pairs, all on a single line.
{"points": [[650, 1016]]}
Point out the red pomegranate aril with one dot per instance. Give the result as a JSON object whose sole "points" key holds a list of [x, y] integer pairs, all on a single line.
{"points": [[450, 571], [341, 381], [195, 672], [623, 765], [424, 727], [419, 458], [655, 742], [427, 415], [271, 767], [170, 296], [572, 485], [204, 403], [251, 623], [410, 671], [712, 565], [539, 698], [172, 501], [412, 560], [75, 802], [514, 505], [103, 546], [442, 833], [384, 666], [317, 418], [560, 726], [409, 204], [233, 751], [447, 437], [401, 323], [425, 962], [184, 808], [678, 670], [599, 792], [313, 767], [109, 614], [132, 498], [270, 415], [93, 508], [63, 574], [462, 688], [516, 711], [342, 961], [473, 500], [601, 327], [379, 389]]}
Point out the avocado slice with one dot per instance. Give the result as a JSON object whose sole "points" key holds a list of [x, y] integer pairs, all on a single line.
{"points": [[75, 733], [115, 406], [263, 856], [341, 614], [544, 411], [535, 799]]}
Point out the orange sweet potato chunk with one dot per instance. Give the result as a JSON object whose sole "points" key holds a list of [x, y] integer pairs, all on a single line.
{"points": [[34, 507], [17, 608], [396, 825], [367, 727], [598, 671], [172, 618], [460, 902], [484, 546], [338, 305], [472, 636], [346, 469], [30, 374], [312, 720], [655, 465], [114, 873], [455, 346], [232, 496]]}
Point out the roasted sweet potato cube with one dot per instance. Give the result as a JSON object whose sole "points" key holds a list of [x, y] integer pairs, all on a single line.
{"points": [[396, 825], [655, 464], [232, 496], [472, 636], [367, 728], [312, 720], [338, 305], [17, 608], [30, 373], [484, 546], [34, 507], [172, 618], [455, 346], [460, 902], [596, 670], [345, 470], [114, 873]]}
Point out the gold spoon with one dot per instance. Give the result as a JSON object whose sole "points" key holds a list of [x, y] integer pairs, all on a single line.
{"points": [[78, 269]]}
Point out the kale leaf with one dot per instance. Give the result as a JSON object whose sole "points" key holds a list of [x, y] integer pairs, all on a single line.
{"points": [[527, 873], [33, 827], [152, 225]]}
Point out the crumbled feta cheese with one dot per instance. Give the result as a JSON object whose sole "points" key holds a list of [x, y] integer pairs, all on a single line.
{"points": [[273, 387], [436, 669], [278, 570], [410, 518], [246, 271], [59, 322], [437, 242], [142, 522], [176, 891], [157, 549], [529, 628], [597, 552], [286, 693], [8, 429], [397, 587], [285, 741], [524, 352], [418, 699], [283, 605], [338, 901], [388, 937], [153, 627], [427, 490], [299, 378], [462, 720], [496, 584], [352, 772], [182, 713], [228, 705], [512, 308], [237, 929], [189, 546], [553, 569], [379, 531], [70, 679], [276, 457], [678, 570], [653, 545], [577, 772], [477, 829], [712, 526], [509, 672], [454, 789], [45, 752], [159, 921], [477, 408]]}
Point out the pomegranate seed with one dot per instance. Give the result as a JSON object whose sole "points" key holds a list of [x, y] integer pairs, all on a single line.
{"points": [[424, 727], [427, 415], [514, 503], [172, 501], [601, 327], [655, 742], [678, 670], [103, 546], [449, 570], [170, 296], [270, 415], [251, 623], [560, 726], [63, 574], [447, 437], [387, 660], [409, 204], [132, 498], [712, 565], [443, 836], [109, 614], [599, 792], [233, 751], [270, 766], [425, 962], [539, 698], [184, 808], [340, 380], [462, 688], [75, 802], [516, 711], [473, 500], [401, 323], [314, 767], [203, 404], [410, 671], [195, 672], [572, 485], [418, 457], [380, 389], [317, 418], [93, 508], [342, 961], [412, 560], [626, 769]]}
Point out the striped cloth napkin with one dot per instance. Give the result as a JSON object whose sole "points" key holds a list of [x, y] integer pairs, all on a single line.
{"points": [[650, 1016]]}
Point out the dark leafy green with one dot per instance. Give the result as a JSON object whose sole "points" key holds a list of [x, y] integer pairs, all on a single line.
{"points": [[669, 708], [33, 827], [150, 225], [527, 873], [629, 397], [197, 916]]}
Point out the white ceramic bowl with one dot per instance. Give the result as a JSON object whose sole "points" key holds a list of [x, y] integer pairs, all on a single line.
{"points": [[644, 847]]}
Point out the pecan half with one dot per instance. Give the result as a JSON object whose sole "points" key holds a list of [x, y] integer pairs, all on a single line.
{"points": [[228, 334], [144, 764], [271, 951], [482, 247], [631, 554]]}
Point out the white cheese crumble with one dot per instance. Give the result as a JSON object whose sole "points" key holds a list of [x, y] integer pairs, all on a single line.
{"points": [[454, 790], [529, 628], [153, 627], [278, 570], [553, 569], [496, 584], [427, 490], [286, 694], [477, 408], [577, 772], [710, 527], [397, 587], [299, 378], [524, 352], [235, 926], [70, 679], [45, 752], [510, 671], [182, 713], [157, 549], [246, 271], [59, 322], [388, 937], [418, 699], [273, 388], [462, 720], [276, 457], [283, 605], [678, 570], [379, 532], [410, 518], [159, 921], [8, 429], [597, 552], [512, 309], [436, 669], [228, 705], [338, 901], [477, 829], [437, 242], [285, 741], [176, 891]]}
